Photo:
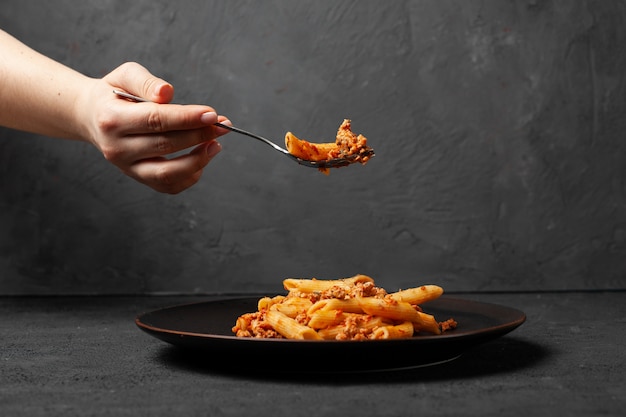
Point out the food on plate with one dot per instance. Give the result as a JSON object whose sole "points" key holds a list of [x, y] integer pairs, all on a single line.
{"points": [[347, 145], [353, 308]]}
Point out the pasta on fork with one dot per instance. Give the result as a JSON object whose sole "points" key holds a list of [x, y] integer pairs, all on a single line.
{"points": [[347, 145], [342, 309]]}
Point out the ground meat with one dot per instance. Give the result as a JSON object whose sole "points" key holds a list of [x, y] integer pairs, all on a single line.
{"points": [[303, 318], [253, 325], [354, 328], [335, 292], [349, 144], [448, 325], [360, 289]]}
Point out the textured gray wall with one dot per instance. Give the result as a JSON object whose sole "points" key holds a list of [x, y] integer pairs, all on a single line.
{"points": [[498, 126]]}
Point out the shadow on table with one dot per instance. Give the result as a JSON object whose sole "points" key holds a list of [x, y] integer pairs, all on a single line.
{"points": [[504, 355]]}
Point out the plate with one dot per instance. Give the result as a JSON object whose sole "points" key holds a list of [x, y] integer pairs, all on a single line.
{"points": [[205, 328]]}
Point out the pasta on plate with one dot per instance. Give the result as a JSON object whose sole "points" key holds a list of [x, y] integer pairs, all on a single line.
{"points": [[342, 309]]}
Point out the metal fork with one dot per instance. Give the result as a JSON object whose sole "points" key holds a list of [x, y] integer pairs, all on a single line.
{"points": [[329, 163]]}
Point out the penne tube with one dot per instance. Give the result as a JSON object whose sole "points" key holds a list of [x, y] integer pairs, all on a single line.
{"points": [[332, 332], [326, 318], [292, 306], [351, 305], [318, 285], [366, 323], [306, 285], [426, 322], [266, 302], [399, 311], [290, 328], [299, 302], [399, 331], [307, 150], [289, 310], [418, 295], [357, 279]]}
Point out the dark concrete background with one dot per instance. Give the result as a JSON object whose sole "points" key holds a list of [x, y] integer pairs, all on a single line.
{"points": [[498, 127]]}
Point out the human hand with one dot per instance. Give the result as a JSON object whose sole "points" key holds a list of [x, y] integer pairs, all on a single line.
{"points": [[140, 138]]}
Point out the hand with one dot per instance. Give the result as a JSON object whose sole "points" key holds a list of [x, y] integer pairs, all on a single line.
{"points": [[139, 137]]}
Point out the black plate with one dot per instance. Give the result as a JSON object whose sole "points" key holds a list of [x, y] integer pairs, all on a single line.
{"points": [[205, 327]]}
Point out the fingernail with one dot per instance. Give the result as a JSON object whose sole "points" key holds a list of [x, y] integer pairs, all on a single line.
{"points": [[209, 118], [213, 149], [227, 122]]}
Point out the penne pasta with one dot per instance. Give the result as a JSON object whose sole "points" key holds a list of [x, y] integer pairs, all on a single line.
{"points": [[307, 150], [319, 285], [426, 322], [393, 310], [418, 295], [351, 308], [355, 329], [266, 302], [347, 146], [327, 318], [399, 311], [290, 328], [399, 331], [350, 305], [293, 306]]}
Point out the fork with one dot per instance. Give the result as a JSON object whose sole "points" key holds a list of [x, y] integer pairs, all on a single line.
{"points": [[329, 163]]}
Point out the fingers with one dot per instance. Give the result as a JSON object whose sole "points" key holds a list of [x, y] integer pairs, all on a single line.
{"points": [[174, 175], [175, 137], [144, 118], [152, 146]]}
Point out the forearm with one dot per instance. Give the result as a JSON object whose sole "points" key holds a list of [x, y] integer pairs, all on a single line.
{"points": [[38, 94]]}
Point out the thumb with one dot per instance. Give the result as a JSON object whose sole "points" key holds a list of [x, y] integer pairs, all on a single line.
{"points": [[136, 79]]}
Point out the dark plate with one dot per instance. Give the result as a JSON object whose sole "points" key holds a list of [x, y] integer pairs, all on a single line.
{"points": [[205, 327]]}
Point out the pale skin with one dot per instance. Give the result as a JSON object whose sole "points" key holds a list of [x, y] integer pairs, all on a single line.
{"points": [[43, 96]]}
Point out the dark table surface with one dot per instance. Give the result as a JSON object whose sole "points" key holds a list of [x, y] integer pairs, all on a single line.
{"points": [[85, 356]]}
